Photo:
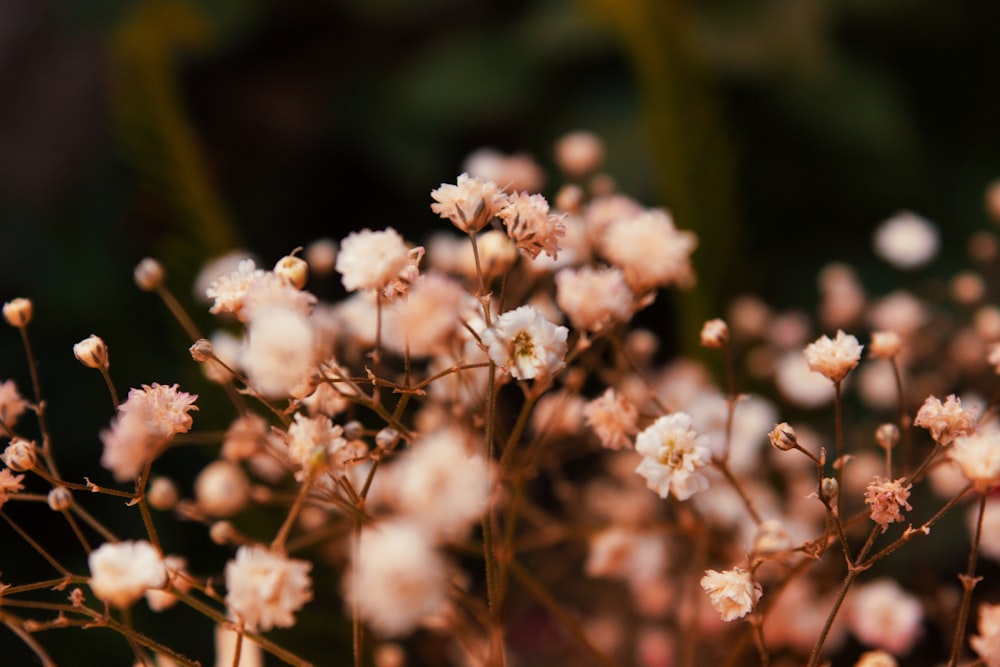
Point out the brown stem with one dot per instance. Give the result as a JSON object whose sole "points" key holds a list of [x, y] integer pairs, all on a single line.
{"points": [[968, 580]]}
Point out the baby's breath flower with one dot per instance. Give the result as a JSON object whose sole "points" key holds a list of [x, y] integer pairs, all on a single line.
{"points": [[673, 456], [229, 290], [317, 439], [148, 274], [20, 455], [579, 153], [60, 498], [159, 600], [12, 406], [470, 204], [650, 250], [887, 435], [883, 615], [886, 497], [293, 269], [733, 593], [714, 333], [876, 659], [613, 417], [885, 344], [525, 344], [987, 643], [280, 351], [978, 455], [222, 489], [593, 297], [531, 226], [162, 493], [121, 572], [513, 173], [906, 240], [18, 312], [374, 260], [946, 421], [9, 483], [834, 358], [782, 437], [266, 588], [92, 352]]}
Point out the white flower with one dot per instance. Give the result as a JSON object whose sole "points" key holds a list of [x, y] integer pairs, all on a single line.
{"points": [[579, 153], [525, 344], [987, 642], [400, 579], [979, 457], [650, 250], [121, 572], [531, 226], [906, 240], [593, 297], [834, 358], [377, 260], [613, 418], [885, 616], [279, 352], [470, 204], [673, 456], [265, 588], [733, 593]]}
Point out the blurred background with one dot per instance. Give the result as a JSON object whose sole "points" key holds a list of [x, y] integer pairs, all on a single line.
{"points": [[780, 131]]}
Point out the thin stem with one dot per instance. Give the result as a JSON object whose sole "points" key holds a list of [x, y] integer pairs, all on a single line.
{"points": [[179, 313], [904, 420], [357, 634], [39, 404], [28, 639], [723, 467], [839, 426], [852, 574], [278, 543], [140, 494], [111, 388], [36, 546], [969, 581]]}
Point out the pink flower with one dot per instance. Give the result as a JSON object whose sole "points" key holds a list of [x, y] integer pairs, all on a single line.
{"points": [[613, 418], [377, 260], [885, 498], [592, 298], [470, 204], [531, 226], [11, 403], [987, 643], [9, 483], [883, 615], [946, 421]]}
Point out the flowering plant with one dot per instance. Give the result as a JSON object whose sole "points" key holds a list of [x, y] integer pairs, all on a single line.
{"points": [[477, 435]]}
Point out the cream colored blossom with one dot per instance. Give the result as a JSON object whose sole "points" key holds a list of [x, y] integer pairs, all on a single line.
{"points": [[9, 483], [834, 358], [526, 345], [178, 579], [531, 226], [426, 322], [592, 298], [673, 457], [883, 615], [987, 643], [279, 353], [470, 204], [978, 455], [265, 588], [650, 250], [885, 344], [12, 406], [733, 593], [228, 290], [886, 497], [714, 333], [945, 421], [579, 153], [318, 442], [906, 240], [876, 659], [614, 419], [377, 261], [399, 579], [121, 572], [513, 173], [222, 489]]}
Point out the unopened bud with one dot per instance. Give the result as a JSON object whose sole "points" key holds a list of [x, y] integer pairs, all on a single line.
{"points": [[202, 350], [17, 312], [60, 499], [92, 352], [885, 344], [887, 435], [829, 488], [353, 430], [162, 494], [293, 269], [221, 489], [148, 274], [782, 437], [321, 255], [387, 438], [222, 532], [20, 455], [714, 333]]}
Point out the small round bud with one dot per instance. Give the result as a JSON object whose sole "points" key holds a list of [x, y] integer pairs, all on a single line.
{"points": [[222, 532], [20, 455], [353, 430], [60, 499], [148, 274], [202, 350], [570, 198], [387, 438], [92, 352], [829, 488], [293, 269], [321, 255], [885, 344], [221, 489], [782, 437], [887, 435], [714, 334], [162, 494], [17, 312], [579, 153]]}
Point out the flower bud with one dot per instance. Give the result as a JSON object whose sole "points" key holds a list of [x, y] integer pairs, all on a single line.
{"points": [[321, 255], [222, 532], [885, 344], [714, 333], [60, 499], [353, 430], [887, 435], [829, 488], [162, 494], [17, 312], [92, 352], [221, 489], [293, 269], [201, 351], [783, 437], [387, 438], [20, 455], [148, 274]]}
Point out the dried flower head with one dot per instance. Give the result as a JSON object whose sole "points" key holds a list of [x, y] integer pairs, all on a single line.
{"points": [[883, 615], [886, 497], [887, 435], [673, 456], [92, 352], [20, 455], [834, 358], [9, 483], [782, 437], [946, 421], [18, 312], [531, 226], [733, 593], [885, 344], [293, 269], [378, 261], [978, 454], [613, 417], [593, 297], [526, 345], [470, 204], [148, 274], [280, 351], [265, 588], [121, 572], [714, 333], [222, 489]]}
